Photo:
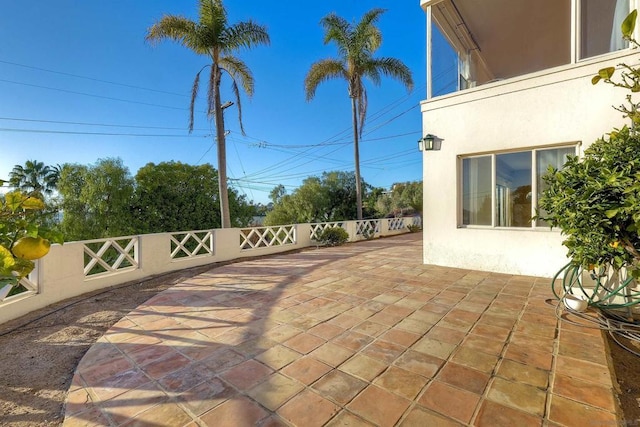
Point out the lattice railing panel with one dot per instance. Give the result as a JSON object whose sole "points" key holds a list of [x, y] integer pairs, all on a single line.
{"points": [[110, 255], [396, 224], [191, 244], [27, 286], [367, 228], [417, 221], [317, 229], [266, 237]]}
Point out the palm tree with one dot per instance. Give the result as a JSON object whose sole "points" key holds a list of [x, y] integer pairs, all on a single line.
{"points": [[214, 37], [34, 177], [356, 43]]}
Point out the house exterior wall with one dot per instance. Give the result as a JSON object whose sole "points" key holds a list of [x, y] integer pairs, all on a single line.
{"points": [[554, 106]]}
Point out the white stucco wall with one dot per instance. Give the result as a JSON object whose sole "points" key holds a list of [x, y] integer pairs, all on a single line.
{"points": [[551, 107]]}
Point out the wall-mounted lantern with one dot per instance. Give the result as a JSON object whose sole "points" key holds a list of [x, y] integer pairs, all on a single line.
{"points": [[429, 143]]}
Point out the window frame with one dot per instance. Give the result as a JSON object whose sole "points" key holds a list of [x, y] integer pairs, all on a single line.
{"points": [[575, 145]]}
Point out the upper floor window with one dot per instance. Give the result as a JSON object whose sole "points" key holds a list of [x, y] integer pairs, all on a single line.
{"points": [[502, 189], [500, 39], [600, 22]]}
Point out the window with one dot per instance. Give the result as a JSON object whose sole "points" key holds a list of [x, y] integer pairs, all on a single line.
{"points": [[600, 23], [501, 190], [476, 191], [555, 158], [477, 42]]}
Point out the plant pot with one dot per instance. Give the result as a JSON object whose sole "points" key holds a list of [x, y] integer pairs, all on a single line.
{"points": [[575, 303]]}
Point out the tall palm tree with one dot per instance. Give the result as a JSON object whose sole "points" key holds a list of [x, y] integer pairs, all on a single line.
{"points": [[34, 177], [356, 43], [214, 37]]}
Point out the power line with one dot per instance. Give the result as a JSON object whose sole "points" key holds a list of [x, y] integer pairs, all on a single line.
{"points": [[64, 132], [94, 79], [92, 95], [20, 119]]}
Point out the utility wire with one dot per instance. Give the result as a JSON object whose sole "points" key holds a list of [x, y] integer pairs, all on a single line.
{"points": [[93, 95], [66, 132], [62, 73], [22, 119]]}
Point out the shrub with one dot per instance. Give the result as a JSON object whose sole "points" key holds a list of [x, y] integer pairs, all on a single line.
{"points": [[595, 201], [334, 236], [413, 228]]}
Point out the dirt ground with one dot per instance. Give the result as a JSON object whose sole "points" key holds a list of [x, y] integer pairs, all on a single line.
{"points": [[41, 350]]}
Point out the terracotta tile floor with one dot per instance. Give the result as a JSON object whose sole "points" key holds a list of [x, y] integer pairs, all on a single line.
{"points": [[357, 335]]}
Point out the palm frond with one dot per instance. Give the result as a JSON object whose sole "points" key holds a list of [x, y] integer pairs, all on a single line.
{"points": [[236, 91], [244, 35], [241, 76], [362, 108], [212, 14], [214, 80], [395, 68], [367, 35], [194, 94], [336, 29], [176, 28], [370, 70], [322, 71]]}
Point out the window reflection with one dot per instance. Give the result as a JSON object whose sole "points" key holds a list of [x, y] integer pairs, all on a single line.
{"points": [[513, 189]]}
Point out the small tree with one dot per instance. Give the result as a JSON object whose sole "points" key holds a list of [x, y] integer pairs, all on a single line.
{"points": [[595, 201], [23, 238]]}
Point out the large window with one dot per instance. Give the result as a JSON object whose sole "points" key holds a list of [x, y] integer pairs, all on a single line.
{"points": [[501, 190], [600, 23], [473, 42]]}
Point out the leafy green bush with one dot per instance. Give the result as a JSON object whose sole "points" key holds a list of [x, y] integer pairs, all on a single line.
{"points": [[334, 236], [595, 201], [413, 228]]}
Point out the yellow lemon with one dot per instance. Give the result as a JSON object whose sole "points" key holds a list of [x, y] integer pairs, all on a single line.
{"points": [[6, 259], [31, 248]]}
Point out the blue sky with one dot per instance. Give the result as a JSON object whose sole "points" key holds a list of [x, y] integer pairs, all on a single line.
{"points": [[79, 83]]}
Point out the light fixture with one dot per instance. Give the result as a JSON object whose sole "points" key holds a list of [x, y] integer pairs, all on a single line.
{"points": [[427, 143], [226, 105]]}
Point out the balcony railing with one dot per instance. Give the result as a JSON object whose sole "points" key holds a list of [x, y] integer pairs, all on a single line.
{"points": [[80, 267]]}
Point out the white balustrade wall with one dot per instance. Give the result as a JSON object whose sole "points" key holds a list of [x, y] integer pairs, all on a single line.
{"points": [[76, 268]]}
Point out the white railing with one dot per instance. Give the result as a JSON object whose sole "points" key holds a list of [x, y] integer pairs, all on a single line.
{"points": [[368, 228], [191, 244], [104, 256], [318, 228], [396, 223], [267, 237], [76, 268]]}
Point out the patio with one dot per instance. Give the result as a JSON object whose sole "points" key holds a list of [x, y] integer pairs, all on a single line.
{"points": [[361, 334]]}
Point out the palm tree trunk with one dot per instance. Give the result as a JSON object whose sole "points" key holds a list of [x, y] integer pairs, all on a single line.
{"points": [[356, 155], [225, 218]]}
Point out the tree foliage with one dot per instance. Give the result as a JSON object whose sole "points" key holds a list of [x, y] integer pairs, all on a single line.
{"points": [[214, 37], [595, 201], [404, 197], [173, 196], [357, 44], [35, 178], [96, 200], [330, 197]]}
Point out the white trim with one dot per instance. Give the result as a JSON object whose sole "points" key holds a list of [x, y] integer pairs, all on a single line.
{"points": [[429, 13]]}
